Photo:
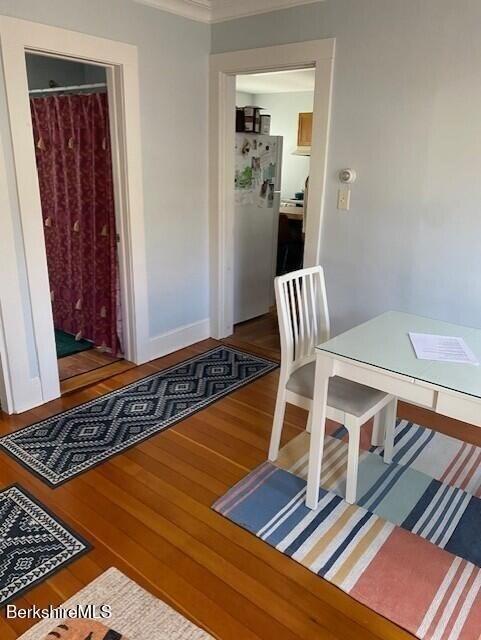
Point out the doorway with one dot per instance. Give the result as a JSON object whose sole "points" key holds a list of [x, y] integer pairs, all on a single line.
{"points": [[71, 136], [274, 113], [225, 68], [36, 381]]}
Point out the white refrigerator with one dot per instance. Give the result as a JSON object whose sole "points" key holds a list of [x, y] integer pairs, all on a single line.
{"points": [[258, 162]]}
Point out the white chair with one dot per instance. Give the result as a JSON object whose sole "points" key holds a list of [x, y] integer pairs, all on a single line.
{"points": [[304, 323]]}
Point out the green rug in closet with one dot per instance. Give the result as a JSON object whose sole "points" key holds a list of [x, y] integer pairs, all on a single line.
{"points": [[67, 345]]}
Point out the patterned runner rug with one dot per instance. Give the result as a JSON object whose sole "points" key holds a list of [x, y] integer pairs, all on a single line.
{"points": [[410, 548], [61, 447], [34, 543]]}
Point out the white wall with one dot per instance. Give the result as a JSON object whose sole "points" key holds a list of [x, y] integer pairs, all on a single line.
{"points": [[243, 99], [284, 109], [173, 67], [406, 115]]}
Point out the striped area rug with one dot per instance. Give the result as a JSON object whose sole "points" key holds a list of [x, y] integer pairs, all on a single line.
{"points": [[410, 548]]}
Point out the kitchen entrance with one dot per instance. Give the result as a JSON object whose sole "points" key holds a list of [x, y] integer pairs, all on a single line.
{"points": [[244, 249], [274, 113]]}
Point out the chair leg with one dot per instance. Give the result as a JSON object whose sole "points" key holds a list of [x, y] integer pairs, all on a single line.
{"points": [[390, 422], [377, 438], [354, 429], [277, 424], [309, 422]]}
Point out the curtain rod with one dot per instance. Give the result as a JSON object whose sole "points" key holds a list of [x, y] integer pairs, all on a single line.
{"points": [[98, 85]]}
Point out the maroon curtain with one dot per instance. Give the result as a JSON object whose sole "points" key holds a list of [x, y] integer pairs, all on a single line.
{"points": [[74, 162]]}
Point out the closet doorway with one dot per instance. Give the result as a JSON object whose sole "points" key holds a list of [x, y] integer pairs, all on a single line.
{"points": [[29, 364], [69, 107]]}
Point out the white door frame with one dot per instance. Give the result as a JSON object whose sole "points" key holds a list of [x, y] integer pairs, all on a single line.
{"points": [[223, 69], [14, 362], [120, 60]]}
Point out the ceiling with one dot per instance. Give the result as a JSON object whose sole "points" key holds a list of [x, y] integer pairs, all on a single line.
{"points": [[277, 82], [220, 10]]}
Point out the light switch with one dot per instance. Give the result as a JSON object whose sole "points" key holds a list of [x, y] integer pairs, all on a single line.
{"points": [[344, 198]]}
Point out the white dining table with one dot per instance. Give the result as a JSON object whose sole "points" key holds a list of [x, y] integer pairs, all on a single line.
{"points": [[379, 354]]}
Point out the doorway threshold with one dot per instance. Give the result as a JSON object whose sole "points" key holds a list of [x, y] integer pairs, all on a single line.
{"points": [[83, 380]]}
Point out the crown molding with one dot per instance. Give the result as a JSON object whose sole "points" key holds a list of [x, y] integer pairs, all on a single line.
{"points": [[210, 11], [222, 10], [199, 10]]}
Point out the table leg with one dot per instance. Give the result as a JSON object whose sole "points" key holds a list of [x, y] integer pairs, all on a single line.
{"points": [[379, 428], [391, 415], [324, 370]]}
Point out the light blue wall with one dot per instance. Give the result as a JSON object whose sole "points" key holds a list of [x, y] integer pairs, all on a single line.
{"points": [[173, 67], [406, 115]]}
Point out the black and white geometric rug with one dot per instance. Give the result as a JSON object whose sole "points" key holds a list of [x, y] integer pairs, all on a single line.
{"points": [[65, 445], [33, 543]]}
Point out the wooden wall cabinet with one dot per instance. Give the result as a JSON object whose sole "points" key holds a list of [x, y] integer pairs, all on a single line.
{"points": [[304, 130]]}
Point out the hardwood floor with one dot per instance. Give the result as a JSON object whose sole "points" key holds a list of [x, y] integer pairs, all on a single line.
{"points": [[83, 362], [87, 368], [147, 512], [258, 335]]}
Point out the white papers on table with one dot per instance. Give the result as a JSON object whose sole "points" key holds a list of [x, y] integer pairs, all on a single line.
{"points": [[442, 348]]}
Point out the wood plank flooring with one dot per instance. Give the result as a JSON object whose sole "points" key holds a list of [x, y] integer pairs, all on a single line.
{"points": [[84, 369], [83, 362], [148, 513], [89, 378]]}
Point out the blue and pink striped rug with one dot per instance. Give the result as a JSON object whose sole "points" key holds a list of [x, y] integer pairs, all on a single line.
{"points": [[410, 549]]}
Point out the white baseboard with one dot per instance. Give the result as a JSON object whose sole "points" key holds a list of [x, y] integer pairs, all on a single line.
{"points": [[179, 338]]}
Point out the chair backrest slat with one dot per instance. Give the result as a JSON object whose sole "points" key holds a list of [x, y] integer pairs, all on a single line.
{"points": [[313, 291], [307, 318], [303, 315], [300, 313]]}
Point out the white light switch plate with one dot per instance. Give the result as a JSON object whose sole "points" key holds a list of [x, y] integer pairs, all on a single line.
{"points": [[344, 198]]}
